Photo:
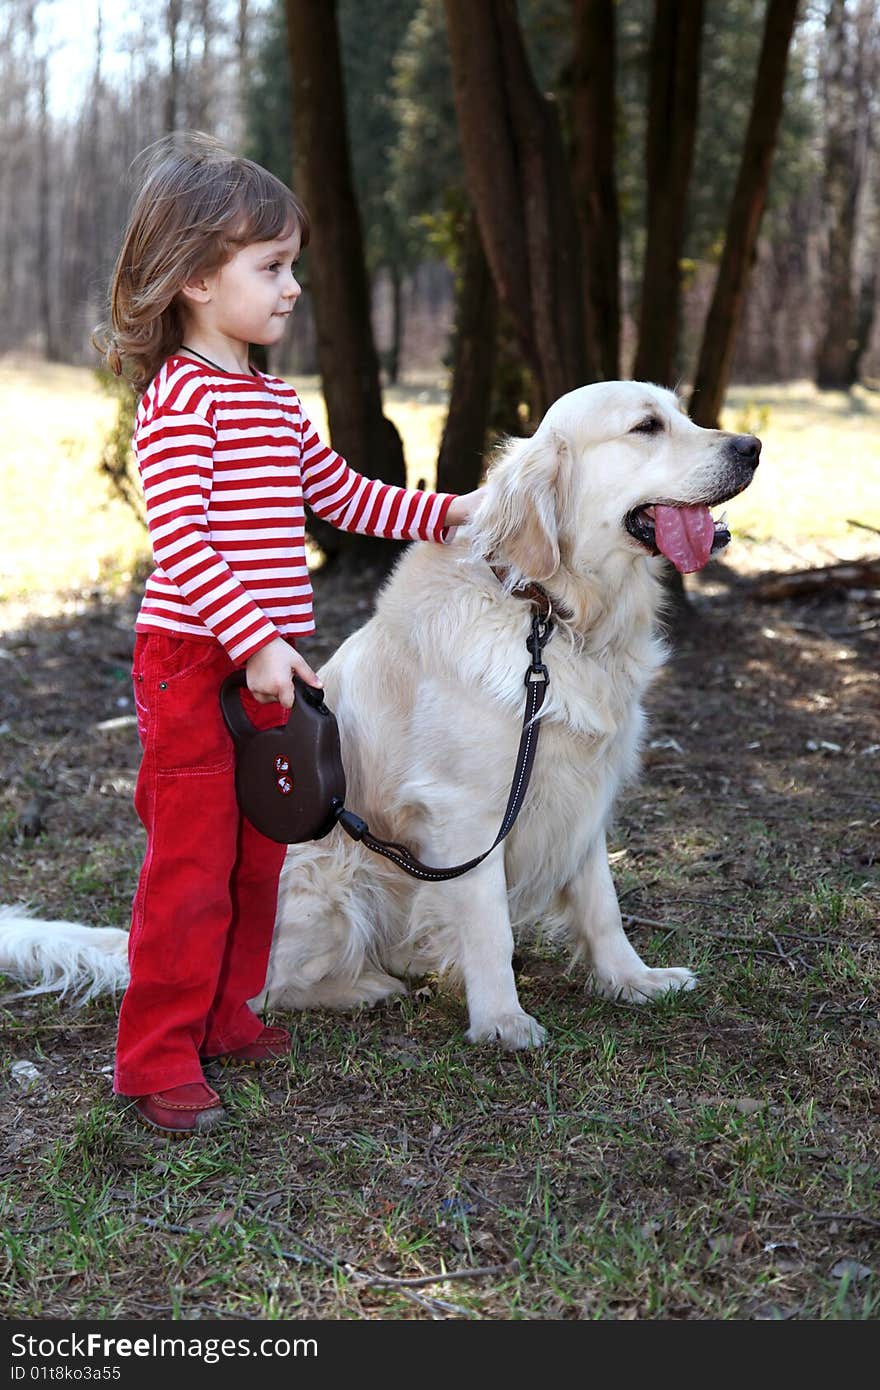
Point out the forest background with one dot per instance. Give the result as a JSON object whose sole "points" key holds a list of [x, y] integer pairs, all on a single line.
{"points": [[567, 223]]}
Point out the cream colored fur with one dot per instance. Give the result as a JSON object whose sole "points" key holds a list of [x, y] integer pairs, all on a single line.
{"points": [[429, 698]]}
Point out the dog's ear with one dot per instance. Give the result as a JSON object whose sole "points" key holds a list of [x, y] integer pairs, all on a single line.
{"points": [[527, 497]]}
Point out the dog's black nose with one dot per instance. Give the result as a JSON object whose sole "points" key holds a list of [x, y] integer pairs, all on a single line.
{"points": [[746, 448]]}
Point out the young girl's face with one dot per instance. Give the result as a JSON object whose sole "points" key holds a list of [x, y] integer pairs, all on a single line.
{"points": [[249, 299]]}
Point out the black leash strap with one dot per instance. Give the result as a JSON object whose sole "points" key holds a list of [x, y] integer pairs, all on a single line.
{"points": [[537, 680]]}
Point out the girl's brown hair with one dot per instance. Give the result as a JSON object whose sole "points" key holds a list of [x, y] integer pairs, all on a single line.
{"points": [[198, 205]]}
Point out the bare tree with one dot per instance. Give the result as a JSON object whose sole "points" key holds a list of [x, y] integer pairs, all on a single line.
{"points": [[199, 86], [243, 52], [337, 274], [517, 176], [672, 127], [850, 79], [65, 176], [44, 248], [461, 449], [744, 217], [173, 12], [593, 144]]}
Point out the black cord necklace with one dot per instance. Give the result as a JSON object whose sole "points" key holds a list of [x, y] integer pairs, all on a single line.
{"points": [[224, 370]]}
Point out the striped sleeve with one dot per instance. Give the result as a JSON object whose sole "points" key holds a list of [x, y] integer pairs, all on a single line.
{"points": [[175, 451], [368, 506]]}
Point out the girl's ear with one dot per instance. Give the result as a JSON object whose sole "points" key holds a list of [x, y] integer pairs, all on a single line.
{"points": [[523, 511], [197, 289]]}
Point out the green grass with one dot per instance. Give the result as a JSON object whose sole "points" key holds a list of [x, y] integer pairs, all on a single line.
{"points": [[659, 1163], [711, 1157]]}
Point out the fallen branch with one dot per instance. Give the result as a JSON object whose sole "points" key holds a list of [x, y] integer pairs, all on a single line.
{"points": [[855, 574], [778, 944], [366, 1276], [474, 1272], [863, 526], [861, 1217], [316, 1256], [635, 921]]}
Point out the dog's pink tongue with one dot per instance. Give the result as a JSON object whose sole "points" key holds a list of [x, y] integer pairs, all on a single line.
{"points": [[684, 535]]}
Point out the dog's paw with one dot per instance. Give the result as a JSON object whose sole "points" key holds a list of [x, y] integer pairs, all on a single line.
{"points": [[642, 986], [510, 1030]]}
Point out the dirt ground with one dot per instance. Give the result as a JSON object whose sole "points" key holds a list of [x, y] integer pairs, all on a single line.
{"points": [[752, 837]]}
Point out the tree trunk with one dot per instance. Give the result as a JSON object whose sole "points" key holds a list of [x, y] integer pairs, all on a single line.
{"points": [[43, 248], [512, 408], [337, 276], [50, 340], [518, 180], [869, 257], [847, 105], [243, 51], [172, 91], [200, 82], [460, 460], [744, 217], [593, 179], [866, 308], [669, 148], [490, 156], [392, 367], [672, 126]]}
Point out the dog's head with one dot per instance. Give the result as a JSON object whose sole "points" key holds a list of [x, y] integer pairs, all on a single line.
{"points": [[615, 470]]}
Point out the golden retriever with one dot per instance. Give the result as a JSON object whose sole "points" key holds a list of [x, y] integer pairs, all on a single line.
{"points": [[429, 698]]}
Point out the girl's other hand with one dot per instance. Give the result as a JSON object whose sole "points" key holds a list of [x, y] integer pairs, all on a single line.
{"points": [[461, 510], [270, 673]]}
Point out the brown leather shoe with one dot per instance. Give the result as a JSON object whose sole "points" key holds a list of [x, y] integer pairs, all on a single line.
{"points": [[182, 1110], [267, 1046]]}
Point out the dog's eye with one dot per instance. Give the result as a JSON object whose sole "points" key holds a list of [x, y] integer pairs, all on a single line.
{"points": [[651, 425]]}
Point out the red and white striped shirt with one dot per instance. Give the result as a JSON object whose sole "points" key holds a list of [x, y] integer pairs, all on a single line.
{"points": [[226, 462]]}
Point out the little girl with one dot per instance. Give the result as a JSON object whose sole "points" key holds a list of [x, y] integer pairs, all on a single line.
{"points": [[227, 457]]}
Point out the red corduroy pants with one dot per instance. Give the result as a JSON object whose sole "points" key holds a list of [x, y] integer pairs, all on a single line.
{"points": [[204, 909]]}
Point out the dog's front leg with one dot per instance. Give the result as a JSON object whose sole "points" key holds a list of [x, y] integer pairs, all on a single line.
{"points": [[597, 931], [474, 907]]}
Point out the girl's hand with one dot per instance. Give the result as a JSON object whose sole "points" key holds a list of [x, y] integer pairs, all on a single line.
{"points": [[270, 673], [461, 509]]}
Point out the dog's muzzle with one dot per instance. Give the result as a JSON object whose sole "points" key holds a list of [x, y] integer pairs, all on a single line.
{"points": [[686, 533]]}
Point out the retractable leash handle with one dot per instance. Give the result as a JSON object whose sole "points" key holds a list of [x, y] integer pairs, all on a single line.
{"points": [[290, 781], [287, 779]]}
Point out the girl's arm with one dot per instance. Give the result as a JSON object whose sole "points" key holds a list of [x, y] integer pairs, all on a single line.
{"points": [[351, 502]]}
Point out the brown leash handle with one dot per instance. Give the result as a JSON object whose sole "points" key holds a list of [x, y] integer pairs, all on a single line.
{"points": [[537, 680]]}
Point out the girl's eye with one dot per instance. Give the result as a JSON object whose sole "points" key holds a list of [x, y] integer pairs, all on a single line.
{"points": [[649, 426]]}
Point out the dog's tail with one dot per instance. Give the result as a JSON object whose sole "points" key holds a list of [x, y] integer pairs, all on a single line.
{"points": [[65, 957]]}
